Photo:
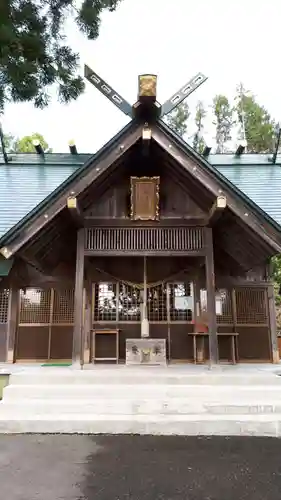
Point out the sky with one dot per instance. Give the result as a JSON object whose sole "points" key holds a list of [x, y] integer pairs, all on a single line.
{"points": [[229, 41]]}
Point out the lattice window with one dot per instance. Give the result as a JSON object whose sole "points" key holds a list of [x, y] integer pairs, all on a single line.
{"points": [[4, 304], [35, 306], [63, 308], [251, 306], [105, 302], [181, 301], [224, 307], [157, 303], [130, 302]]}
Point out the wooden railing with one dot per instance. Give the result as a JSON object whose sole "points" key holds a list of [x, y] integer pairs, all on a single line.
{"points": [[138, 240]]}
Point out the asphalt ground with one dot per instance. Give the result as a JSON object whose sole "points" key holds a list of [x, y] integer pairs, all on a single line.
{"points": [[56, 467]]}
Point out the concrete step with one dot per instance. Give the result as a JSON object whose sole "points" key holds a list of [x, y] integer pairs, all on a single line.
{"points": [[220, 425], [140, 391], [175, 406], [132, 376]]}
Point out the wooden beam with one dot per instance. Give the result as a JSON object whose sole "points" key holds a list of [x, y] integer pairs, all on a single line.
{"points": [[78, 299], [188, 220], [31, 261], [216, 211], [13, 313], [95, 170], [74, 211], [211, 297], [199, 170]]}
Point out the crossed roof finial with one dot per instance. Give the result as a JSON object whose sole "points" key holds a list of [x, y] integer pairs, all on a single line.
{"points": [[146, 105]]}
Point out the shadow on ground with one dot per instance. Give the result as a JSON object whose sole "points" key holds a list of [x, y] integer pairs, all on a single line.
{"points": [[139, 468]]}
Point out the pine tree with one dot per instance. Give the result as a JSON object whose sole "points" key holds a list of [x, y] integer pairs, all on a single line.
{"points": [[224, 121], [198, 140], [33, 55], [177, 119], [260, 128]]}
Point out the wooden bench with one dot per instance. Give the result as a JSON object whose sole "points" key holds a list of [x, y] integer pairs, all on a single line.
{"points": [[201, 335], [104, 331]]}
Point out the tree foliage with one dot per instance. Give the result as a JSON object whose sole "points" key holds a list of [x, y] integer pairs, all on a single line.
{"points": [[260, 128], [198, 140], [24, 144], [34, 54], [177, 119], [224, 121]]}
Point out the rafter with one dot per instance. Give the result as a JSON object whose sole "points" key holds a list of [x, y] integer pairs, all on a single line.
{"points": [[216, 211], [74, 211]]}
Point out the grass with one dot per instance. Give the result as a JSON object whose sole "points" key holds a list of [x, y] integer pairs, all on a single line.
{"points": [[4, 380]]}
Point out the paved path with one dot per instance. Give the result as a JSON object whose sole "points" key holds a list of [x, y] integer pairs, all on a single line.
{"points": [[139, 468]]}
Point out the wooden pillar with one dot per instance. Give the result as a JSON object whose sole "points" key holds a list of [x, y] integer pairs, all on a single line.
{"points": [[211, 296], [78, 299], [87, 325], [272, 324], [13, 317], [144, 321]]}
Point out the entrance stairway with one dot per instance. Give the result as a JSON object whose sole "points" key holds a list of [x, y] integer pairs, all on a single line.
{"points": [[186, 400]]}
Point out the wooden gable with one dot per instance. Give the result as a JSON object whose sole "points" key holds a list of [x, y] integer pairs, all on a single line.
{"points": [[188, 186], [169, 199]]}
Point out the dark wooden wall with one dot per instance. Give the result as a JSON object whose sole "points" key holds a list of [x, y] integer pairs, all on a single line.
{"points": [[175, 202]]}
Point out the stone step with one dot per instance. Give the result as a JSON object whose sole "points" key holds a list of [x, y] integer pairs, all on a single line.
{"points": [[175, 406], [188, 425], [140, 391], [132, 376]]}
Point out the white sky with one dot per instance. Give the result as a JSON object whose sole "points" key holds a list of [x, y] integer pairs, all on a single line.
{"points": [[228, 40]]}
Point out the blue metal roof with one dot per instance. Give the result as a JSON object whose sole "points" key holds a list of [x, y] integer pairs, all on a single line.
{"points": [[29, 178], [23, 186], [261, 183]]}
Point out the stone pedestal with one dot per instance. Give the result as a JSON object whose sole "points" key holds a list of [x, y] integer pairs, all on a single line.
{"points": [[146, 351]]}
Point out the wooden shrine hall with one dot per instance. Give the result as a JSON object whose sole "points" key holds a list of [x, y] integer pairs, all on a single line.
{"points": [[144, 253]]}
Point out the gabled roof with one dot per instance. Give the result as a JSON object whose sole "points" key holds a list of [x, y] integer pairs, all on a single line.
{"points": [[241, 190], [41, 183], [27, 188]]}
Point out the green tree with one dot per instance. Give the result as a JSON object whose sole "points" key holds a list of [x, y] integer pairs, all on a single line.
{"points": [[25, 144], [276, 276], [33, 52], [9, 142], [177, 119], [198, 140], [224, 121], [260, 128]]}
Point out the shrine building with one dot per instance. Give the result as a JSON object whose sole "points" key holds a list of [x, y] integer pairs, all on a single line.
{"points": [[145, 252]]}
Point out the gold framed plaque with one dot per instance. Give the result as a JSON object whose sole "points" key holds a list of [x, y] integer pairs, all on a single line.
{"points": [[145, 198]]}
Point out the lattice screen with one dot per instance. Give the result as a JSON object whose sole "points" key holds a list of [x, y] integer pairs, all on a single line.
{"points": [[63, 308], [251, 306], [224, 307], [157, 303], [105, 302], [45, 307], [172, 301], [181, 302], [4, 304], [35, 306], [129, 303]]}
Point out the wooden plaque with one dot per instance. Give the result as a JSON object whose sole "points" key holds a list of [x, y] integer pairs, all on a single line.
{"points": [[145, 198]]}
